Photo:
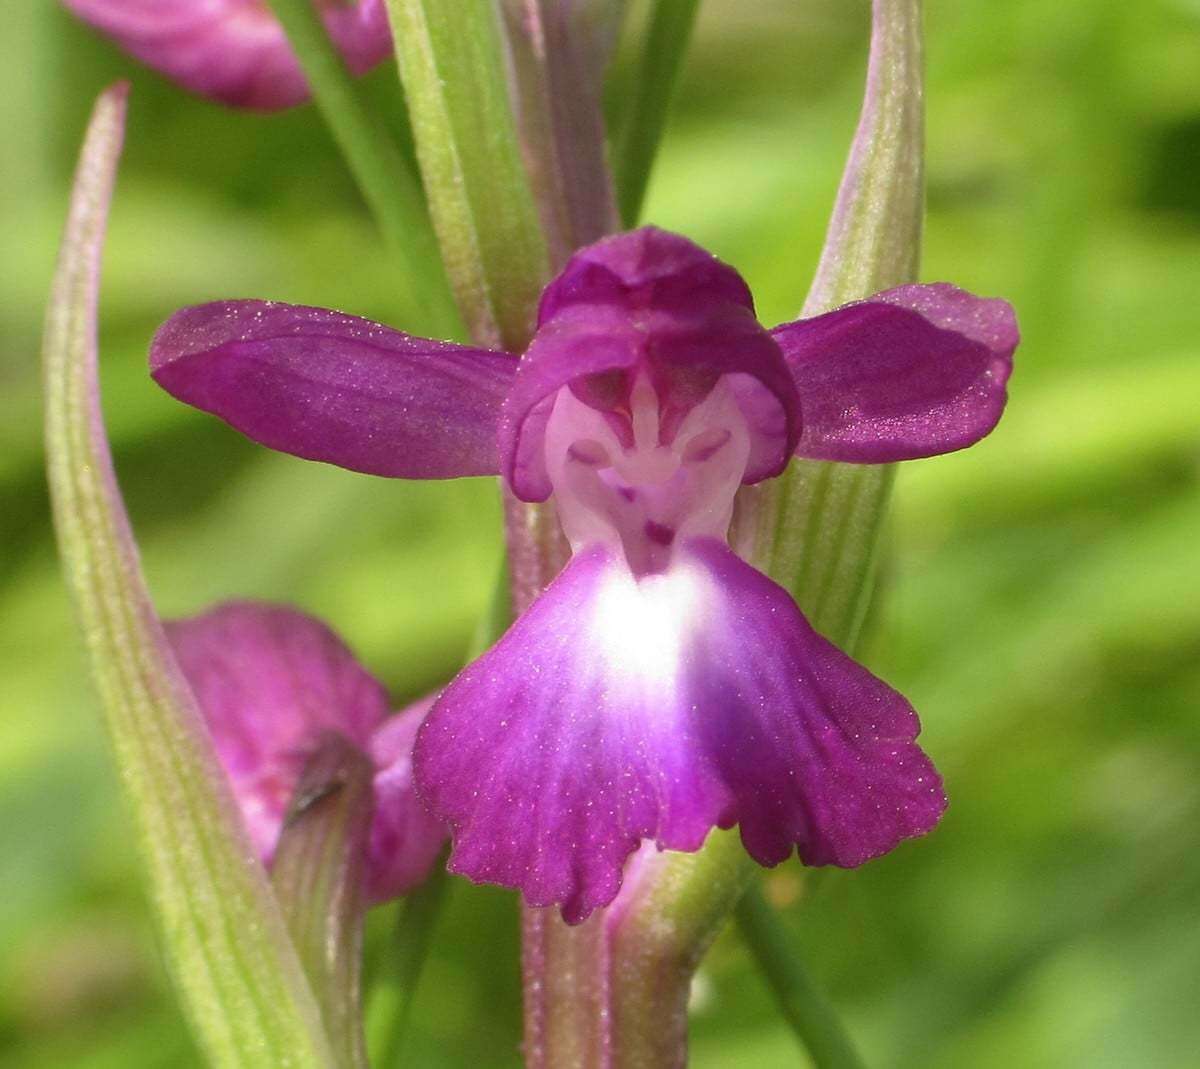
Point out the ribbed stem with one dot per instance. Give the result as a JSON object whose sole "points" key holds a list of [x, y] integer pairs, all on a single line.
{"points": [[559, 53], [318, 873]]}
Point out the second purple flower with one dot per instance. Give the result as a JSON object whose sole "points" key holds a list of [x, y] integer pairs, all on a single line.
{"points": [[235, 51]]}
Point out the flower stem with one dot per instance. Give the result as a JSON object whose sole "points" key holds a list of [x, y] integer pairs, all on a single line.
{"points": [[384, 177], [658, 66], [559, 53], [663, 922], [809, 1014], [567, 991]]}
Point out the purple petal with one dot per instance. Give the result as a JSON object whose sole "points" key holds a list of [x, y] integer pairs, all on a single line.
{"points": [[658, 267], [270, 681], [912, 372], [333, 387], [648, 300], [234, 51], [615, 711], [405, 839]]}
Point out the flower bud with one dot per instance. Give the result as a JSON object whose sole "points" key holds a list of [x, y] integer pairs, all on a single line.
{"points": [[272, 683], [235, 51]]}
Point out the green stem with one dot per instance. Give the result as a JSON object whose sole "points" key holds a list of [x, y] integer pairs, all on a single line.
{"points": [[415, 924], [666, 919], [386, 180], [453, 64], [810, 1015], [423, 905], [658, 67]]}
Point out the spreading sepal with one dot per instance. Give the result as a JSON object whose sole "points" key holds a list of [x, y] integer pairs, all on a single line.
{"points": [[913, 372], [327, 386]]}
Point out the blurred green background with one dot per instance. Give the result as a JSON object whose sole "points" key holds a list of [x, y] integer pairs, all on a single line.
{"points": [[1041, 595]]}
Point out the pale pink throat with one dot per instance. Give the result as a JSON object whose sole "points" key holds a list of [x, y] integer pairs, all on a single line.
{"points": [[643, 478]]}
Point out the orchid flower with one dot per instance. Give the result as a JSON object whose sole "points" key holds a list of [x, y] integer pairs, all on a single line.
{"points": [[235, 51], [660, 686], [271, 682]]}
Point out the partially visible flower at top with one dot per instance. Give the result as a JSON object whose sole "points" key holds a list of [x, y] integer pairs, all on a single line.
{"points": [[660, 686], [235, 51], [270, 683]]}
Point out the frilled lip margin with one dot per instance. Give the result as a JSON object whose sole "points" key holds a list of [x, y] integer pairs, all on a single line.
{"points": [[569, 742]]}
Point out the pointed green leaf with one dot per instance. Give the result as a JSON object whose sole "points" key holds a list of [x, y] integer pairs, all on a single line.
{"points": [[815, 530], [452, 63], [667, 36], [225, 939]]}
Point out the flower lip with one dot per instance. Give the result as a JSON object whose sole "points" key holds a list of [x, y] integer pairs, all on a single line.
{"points": [[617, 711]]}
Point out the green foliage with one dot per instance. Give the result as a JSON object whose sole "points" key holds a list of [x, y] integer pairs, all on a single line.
{"points": [[222, 930], [452, 64], [1040, 601]]}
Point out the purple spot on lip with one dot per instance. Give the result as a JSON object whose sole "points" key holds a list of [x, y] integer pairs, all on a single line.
{"points": [[659, 533], [588, 452], [628, 493]]}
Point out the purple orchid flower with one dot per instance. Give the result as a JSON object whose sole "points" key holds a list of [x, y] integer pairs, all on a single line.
{"points": [[660, 686], [235, 51], [270, 683]]}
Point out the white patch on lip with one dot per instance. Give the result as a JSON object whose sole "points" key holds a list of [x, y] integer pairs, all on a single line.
{"points": [[641, 627], [644, 497]]}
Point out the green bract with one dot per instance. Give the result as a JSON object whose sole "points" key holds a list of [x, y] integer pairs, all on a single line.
{"points": [[225, 939]]}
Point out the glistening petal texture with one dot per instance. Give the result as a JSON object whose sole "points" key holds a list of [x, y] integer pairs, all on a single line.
{"points": [[234, 51], [405, 840], [912, 372], [615, 711], [270, 681], [647, 266], [328, 386], [649, 300]]}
